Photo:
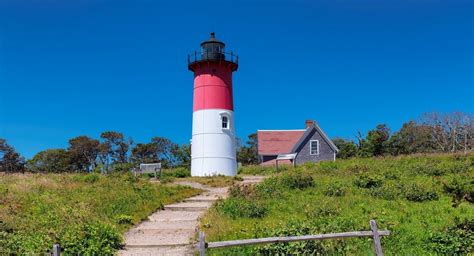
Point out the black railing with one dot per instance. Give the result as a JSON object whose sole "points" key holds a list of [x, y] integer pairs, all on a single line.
{"points": [[212, 55]]}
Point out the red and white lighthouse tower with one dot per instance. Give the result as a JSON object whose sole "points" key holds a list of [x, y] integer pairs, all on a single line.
{"points": [[213, 146]]}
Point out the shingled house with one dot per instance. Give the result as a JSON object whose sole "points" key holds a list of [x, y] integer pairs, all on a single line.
{"points": [[295, 146]]}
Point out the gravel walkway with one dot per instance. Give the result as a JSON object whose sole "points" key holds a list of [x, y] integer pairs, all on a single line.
{"points": [[172, 231]]}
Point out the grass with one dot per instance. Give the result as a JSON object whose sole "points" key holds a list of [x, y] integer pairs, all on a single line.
{"points": [[406, 195], [86, 214]]}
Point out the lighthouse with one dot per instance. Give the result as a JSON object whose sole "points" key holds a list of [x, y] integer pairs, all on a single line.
{"points": [[213, 145]]}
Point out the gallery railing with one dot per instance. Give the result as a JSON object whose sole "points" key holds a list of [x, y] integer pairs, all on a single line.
{"points": [[213, 56]]}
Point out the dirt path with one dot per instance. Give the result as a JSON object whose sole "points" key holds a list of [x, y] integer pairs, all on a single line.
{"points": [[171, 231]]}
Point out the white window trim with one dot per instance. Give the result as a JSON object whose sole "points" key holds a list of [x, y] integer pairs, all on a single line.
{"points": [[317, 148], [228, 121]]}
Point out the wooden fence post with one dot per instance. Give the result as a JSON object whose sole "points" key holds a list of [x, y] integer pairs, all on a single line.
{"points": [[56, 250], [377, 244], [202, 244]]}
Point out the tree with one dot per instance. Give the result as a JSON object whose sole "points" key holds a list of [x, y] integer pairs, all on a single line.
{"points": [[83, 151], [116, 144], [411, 138], [451, 132], [182, 155], [50, 160], [364, 148], [375, 143], [164, 151], [105, 151], [248, 153], [378, 139], [144, 153], [347, 148], [10, 160]]}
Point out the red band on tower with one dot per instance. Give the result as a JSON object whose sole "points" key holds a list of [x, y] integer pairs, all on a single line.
{"points": [[213, 87]]}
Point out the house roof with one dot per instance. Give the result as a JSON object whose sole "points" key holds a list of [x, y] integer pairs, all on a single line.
{"points": [[308, 132], [274, 142]]}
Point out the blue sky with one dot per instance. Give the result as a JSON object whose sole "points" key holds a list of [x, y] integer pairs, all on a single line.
{"points": [[70, 68]]}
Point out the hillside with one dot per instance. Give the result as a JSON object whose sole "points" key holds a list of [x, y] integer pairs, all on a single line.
{"points": [[425, 201], [85, 213]]}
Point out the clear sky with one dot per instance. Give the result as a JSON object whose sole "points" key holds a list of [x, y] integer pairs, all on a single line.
{"points": [[70, 68]]}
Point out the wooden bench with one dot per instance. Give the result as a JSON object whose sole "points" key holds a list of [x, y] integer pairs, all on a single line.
{"points": [[149, 168]]}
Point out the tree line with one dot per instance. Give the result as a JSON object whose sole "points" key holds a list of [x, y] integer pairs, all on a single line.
{"points": [[433, 132], [110, 152]]}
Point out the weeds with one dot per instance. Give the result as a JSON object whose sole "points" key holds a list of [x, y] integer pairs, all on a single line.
{"points": [[460, 188], [408, 195], [418, 193], [453, 240], [236, 207], [334, 189], [368, 181], [85, 213]]}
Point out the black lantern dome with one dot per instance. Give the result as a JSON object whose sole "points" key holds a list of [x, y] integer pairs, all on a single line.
{"points": [[213, 50]]}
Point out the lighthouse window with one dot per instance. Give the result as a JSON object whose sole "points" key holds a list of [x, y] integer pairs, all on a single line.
{"points": [[225, 122]]}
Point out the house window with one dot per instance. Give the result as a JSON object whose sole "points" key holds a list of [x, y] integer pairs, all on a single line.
{"points": [[225, 122], [314, 147]]}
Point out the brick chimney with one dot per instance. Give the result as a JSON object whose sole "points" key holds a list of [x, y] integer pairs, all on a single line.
{"points": [[308, 123]]}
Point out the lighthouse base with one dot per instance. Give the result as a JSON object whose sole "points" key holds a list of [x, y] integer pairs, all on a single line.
{"points": [[213, 166], [213, 144]]}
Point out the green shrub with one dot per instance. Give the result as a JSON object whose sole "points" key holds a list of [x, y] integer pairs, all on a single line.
{"points": [[327, 166], [91, 178], [5, 227], [258, 170], [5, 248], [323, 209], [236, 207], [128, 177], [20, 243], [293, 179], [388, 191], [456, 167], [428, 169], [166, 179], [310, 165], [368, 181], [292, 228], [123, 167], [124, 219], [269, 188], [334, 189], [454, 240], [357, 168], [418, 193], [442, 168], [243, 201], [296, 180], [391, 175], [179, 172], [91, 239], [244, 191], [87, 178], [460, 188]]}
